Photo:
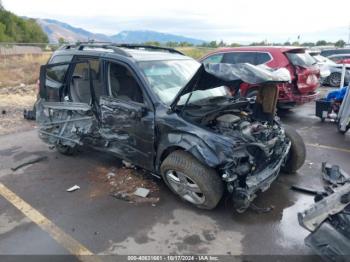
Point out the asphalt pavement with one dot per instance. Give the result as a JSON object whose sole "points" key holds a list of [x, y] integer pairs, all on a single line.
{"points": [[38, 216]]}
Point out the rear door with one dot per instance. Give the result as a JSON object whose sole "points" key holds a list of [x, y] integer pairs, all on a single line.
{"points": [[61, 121], [127, 116]]}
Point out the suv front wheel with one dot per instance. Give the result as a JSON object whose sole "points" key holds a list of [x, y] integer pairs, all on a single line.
{"points": [[191, 180]]}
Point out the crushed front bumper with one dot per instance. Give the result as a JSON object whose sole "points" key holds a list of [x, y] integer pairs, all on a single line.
{"points": [[243, 196], [264, 179]]}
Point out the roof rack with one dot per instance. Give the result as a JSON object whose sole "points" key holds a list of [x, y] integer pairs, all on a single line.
{"points": [[105, 45], [151, 47], [117, 48]]}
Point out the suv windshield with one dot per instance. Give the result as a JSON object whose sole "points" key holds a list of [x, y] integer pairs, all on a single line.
{"points": [[167, 77], [301, 59]]}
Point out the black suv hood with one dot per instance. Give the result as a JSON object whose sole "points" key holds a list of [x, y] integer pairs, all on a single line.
{"points": [[220, 74]]}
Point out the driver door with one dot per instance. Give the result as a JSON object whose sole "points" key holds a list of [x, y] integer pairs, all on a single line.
{"points": [[127, 119]]}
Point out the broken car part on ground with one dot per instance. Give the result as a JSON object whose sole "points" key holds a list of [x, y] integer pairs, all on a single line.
{"points": [[328, 219], [170, 115]]}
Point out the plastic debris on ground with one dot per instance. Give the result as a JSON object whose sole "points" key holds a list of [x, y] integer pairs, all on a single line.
{"points": [[141, 192], [333, 174], [73, 188]]}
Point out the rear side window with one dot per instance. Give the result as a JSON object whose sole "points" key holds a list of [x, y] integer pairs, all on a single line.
{"points": [[217, 58], [57, 73], [301, 59], [240, 57], [254, 58], [262, 58]]}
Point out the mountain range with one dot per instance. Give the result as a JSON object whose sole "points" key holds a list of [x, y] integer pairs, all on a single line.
{"points": [[56, 30]]}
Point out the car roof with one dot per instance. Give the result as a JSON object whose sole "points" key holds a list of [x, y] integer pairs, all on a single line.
{"points": [[340, 55], [261, 48], [136, 52], [146, 55]]}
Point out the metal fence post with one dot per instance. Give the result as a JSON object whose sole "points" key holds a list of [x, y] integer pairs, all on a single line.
{"points": [[342, 76]]}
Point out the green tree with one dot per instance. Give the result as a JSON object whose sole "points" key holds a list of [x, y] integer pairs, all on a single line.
{"points": [[295, 43], [308, 44], [17, 29], [321, 42], [61, 41], [155, 43], [235, 45], [340, 43]]}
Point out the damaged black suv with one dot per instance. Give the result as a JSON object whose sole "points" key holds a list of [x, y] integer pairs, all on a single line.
{"points": [[170, 115]]}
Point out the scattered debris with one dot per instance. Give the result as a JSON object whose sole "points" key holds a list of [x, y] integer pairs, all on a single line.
{"points": [[307, 190], [73, 188], [110, 175], [29, 161], [3, 112], [333, 174], [328, 219], [122, 196], [125, 184], [260, 210], [141, 192], [127, 164], [29, 114]]}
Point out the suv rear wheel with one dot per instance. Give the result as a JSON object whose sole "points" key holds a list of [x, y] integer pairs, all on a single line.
{"points": [[66, 150], [297, 153], [191, 180]]}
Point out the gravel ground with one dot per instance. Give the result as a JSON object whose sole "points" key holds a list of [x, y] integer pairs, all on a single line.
{"points": [[13, 100]]}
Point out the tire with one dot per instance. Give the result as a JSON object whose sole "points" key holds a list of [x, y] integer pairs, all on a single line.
{"points": [[297, 153], [197, 175], [334, 79], [66, 150]]}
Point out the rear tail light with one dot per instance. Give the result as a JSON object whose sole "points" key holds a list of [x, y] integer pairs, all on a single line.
{"points": [[312, 80]]}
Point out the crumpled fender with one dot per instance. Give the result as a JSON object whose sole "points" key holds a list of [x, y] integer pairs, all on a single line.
{"points": [[208, 153]]}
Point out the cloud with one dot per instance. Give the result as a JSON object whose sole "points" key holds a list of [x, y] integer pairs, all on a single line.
{"points": [[231, 21]]}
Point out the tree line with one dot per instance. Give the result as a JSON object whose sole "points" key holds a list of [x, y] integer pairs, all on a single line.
{"points": [[217, 44], [20, 30]]}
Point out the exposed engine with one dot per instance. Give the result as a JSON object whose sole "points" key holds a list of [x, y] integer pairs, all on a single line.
{"points": [[259, 145], [261, 140]]}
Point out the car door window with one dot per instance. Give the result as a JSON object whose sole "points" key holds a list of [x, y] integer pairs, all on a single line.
{"points": [[122, 84], [217, 58], [240, 57], [80, 82], [57, 73], [262, 58]]}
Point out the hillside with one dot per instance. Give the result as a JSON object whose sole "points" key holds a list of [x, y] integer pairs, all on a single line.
{"points": [[56, 30], [142, 36], [16, 29]]}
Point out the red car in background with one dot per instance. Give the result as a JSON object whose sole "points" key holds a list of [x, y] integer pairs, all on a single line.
{"points": [[305, 74], [340, 59]]}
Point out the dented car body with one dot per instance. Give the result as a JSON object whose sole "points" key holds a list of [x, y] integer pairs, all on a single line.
{"points": [[157, 109]]}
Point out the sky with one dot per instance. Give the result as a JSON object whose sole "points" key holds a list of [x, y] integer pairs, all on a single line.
{"points": [[241, 21]]}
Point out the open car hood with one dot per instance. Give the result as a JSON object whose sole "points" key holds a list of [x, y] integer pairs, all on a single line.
{"points": [[220, 74]]}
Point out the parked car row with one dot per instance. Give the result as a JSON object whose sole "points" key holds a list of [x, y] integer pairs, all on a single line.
{"points": [[305, 74], [308, 69]]}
